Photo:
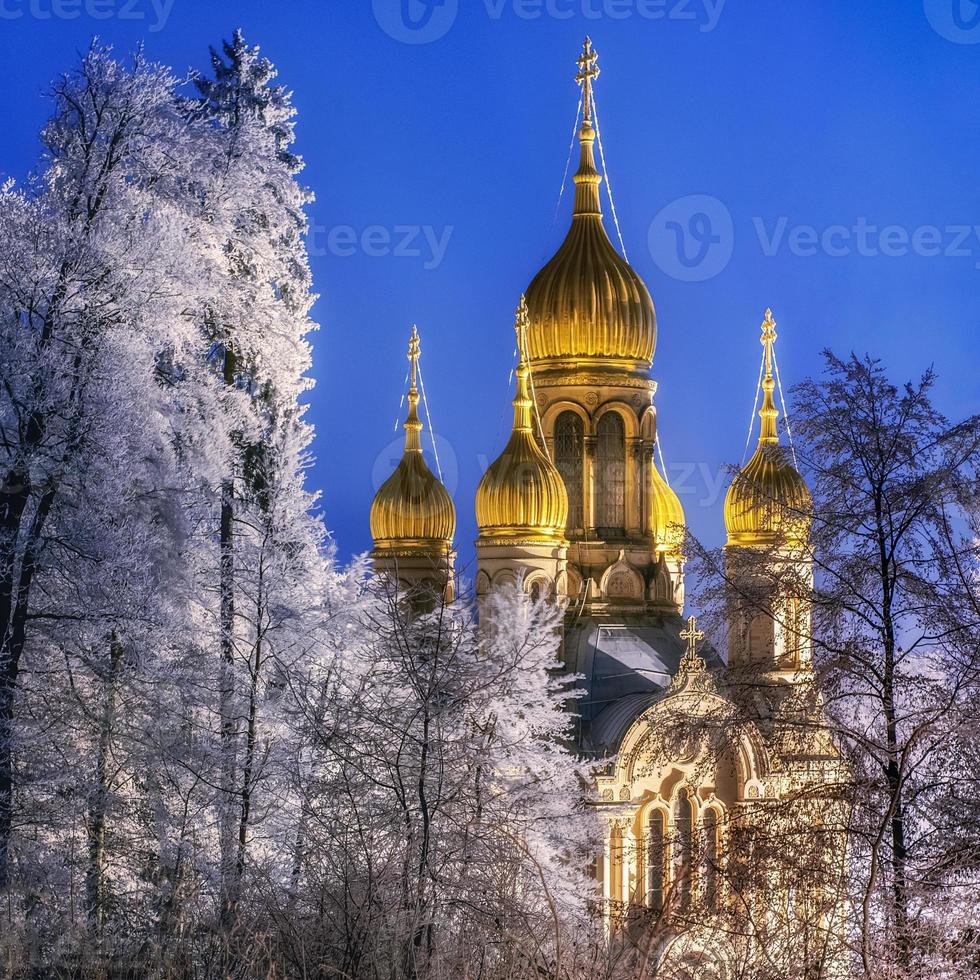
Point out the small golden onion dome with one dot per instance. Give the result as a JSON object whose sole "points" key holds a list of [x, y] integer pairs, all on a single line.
{"points": [[768, 501], [667, 522], [413, 513], [522, 495], [587, 302]]}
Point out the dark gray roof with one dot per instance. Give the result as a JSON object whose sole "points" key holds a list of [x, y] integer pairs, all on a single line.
{"points": [[626, 665]]}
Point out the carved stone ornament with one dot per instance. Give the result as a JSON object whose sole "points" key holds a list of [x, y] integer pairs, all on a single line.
{"points": [[594, 380]]}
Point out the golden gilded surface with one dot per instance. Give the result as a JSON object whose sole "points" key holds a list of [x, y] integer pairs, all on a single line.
{"points": [[413, 513], [522, 495], [768, 500], [587, 302], [667, 522]]}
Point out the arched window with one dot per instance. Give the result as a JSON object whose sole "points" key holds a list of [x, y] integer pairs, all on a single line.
{"points": [[712, 855], [568, 458], [793, 631], [683, 846], [656, 860], [611, 476]]}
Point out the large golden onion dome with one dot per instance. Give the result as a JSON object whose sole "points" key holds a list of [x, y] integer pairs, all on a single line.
{"points": [[522, 495], [413, 513], [666, 516], [587, 302], [768, 502]]}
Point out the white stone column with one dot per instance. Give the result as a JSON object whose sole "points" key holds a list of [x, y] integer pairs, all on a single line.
{"points": [[628, 856], [607, 878]]}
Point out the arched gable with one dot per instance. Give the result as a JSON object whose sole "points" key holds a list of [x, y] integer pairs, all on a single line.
{"points": [[642, 752]]}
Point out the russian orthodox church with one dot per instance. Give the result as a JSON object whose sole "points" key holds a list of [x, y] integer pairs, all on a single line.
{"points": [[719, 768]]}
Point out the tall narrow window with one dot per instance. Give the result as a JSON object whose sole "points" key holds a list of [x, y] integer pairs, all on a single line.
{"points": [[656, 860], [568, 459], [793, 630], [712, 856], [683, 846], [611, 476]]}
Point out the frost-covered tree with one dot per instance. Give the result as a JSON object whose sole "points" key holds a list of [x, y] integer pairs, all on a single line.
{"points": [[92, 273], [447, 824], [257, 320]]}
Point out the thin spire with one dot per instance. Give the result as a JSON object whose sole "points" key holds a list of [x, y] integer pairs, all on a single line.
{"points": [[769, 433], [413, 424], [522, 397], [588, 178]]}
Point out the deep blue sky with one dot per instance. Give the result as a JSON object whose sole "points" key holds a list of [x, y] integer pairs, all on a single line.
{"points": [[791, 116]]}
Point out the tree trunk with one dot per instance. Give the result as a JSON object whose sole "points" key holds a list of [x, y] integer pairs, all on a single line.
{"points": [[227, 677], [893, 764], [15, 592], [99, 800], [251, 738]]}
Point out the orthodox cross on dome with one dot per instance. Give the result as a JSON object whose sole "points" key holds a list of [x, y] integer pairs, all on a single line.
{"points": [[414, 352], [588, 72], [769, 337], [691, 665], [769, 433], [522, 321], [693, 636], [413, 424]]}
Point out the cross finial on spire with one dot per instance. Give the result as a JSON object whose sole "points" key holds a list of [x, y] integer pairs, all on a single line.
{"points": [[769, 337], [522, 320], [413, 425], [693, 636], [414, 352], [588, 72], [769, 433]]}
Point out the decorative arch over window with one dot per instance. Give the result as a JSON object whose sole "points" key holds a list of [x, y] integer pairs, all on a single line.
{"points": [[569, 442], [656, 858], [611, 476], [539, 587]]}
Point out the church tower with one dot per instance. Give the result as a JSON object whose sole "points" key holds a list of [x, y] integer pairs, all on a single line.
{"points": [[521, 503], [591, 337], [767, 516], [413, 519], [609, 532]]}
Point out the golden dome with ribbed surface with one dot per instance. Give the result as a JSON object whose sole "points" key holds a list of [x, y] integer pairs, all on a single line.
{"points": [[413, 513], [666, 516], [769, 501], [587, 302], [522, 495]]}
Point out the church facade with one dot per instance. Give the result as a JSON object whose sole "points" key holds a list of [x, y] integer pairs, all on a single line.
{"points": [[723, 856]]}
